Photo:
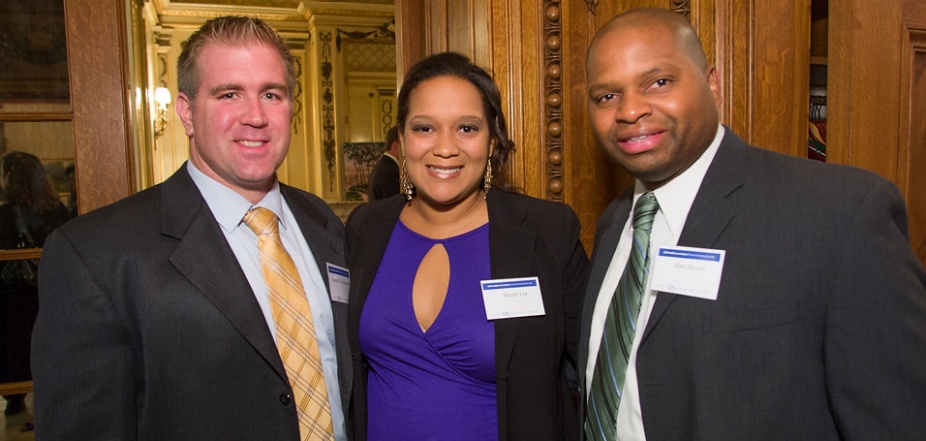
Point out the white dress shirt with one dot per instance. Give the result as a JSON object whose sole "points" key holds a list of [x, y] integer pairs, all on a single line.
{"points": [[229, 209], [675, 199]]}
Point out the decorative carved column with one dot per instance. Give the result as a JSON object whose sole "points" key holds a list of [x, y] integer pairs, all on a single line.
{"points": [[553, 111], [343, 45]]}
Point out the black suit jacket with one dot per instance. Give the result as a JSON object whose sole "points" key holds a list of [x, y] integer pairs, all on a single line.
{"points": [[819, 329], [384, 179], [149, 330], [533, 355]]}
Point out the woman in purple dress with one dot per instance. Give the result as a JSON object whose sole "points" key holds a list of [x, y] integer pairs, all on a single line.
{"points": [[443, 347]]}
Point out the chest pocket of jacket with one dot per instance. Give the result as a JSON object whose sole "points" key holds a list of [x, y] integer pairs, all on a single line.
{"points": [[744, 319]]}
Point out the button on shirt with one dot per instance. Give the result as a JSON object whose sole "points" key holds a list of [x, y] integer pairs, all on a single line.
{"points": [[675, 199], [229, 209]]}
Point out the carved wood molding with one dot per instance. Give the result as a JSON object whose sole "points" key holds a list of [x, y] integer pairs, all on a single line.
{"points": [[327, 83], [385, 32], [553, 98], [682, 7], [297, 96], [162, 69], [162, 38], [297, 44]]}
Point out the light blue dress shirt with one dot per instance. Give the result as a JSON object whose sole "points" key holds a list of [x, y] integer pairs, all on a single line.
{"points": [[229, 209]]}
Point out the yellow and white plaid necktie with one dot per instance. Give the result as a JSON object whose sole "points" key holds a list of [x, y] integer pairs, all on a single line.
{"points": [[295, 332]]}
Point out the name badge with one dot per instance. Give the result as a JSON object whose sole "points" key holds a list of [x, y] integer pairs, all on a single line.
{"points": [[688, 271], [510, 298], [338, 282]]}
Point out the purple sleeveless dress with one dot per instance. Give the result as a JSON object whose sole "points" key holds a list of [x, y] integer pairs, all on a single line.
{"points": [[439, 384]]}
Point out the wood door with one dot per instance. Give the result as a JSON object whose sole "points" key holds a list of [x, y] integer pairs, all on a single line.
{"points": [[99, 97], [912, 146], [97, 40], [877, 97]]}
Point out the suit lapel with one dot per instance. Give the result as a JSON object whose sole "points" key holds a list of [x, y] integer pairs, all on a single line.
{"points": [[326, 242], [711, 210], [205, 259], [374, 236], [314, 225], [511, 251], [612, 222]]}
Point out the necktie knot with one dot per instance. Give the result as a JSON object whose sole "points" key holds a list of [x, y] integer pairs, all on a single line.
{"points": [[644, 212], [262, 221]]}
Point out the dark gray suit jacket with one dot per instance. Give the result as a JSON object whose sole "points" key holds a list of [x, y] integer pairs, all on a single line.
{"points": [[384, 179], [533, 355], [819, 329], [148, 329]]}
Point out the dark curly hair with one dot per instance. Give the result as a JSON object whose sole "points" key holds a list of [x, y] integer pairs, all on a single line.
{"points": [[27, 184], [458, 65]]}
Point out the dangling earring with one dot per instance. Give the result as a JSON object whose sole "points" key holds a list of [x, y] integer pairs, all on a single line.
{"points": [[488, 179], [405, 185]]}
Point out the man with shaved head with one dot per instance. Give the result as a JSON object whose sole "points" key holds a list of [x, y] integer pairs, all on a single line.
{"points": [[750, 295]]}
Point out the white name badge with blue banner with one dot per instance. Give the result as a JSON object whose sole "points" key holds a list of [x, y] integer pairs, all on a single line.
{"points": [[338, 282], [510, 298], [688, 271]]}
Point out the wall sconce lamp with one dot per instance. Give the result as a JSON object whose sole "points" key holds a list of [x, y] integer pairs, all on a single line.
{"points": [[161, 101]]}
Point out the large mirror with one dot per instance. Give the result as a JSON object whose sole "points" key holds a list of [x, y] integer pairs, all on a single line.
{"points": [[37, 192]]}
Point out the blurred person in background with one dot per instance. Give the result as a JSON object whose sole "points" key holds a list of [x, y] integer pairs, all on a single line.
{"points": [[384, 180], [29, 211]]}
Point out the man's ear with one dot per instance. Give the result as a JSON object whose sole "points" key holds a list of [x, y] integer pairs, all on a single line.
{"points": [[185, 112]]}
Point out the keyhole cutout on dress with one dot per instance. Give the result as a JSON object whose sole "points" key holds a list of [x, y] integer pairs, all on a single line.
{"points": [[430, 288]]}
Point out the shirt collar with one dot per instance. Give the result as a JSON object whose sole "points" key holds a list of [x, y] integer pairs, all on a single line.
{"points": [[676, 196], [229, 207], [394, 159]]}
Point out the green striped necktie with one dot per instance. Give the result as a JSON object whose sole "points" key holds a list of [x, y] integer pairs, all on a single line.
{"points": [[620, 327]]}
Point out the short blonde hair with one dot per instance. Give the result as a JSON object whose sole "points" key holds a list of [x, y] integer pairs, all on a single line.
{"points": [[229, 30]]}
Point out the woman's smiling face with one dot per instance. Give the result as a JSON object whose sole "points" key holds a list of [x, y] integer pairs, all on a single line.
{"points": [[446, 141]]}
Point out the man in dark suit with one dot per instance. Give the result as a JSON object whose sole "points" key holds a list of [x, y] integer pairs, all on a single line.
{"points": [[156, 321], [806, 321], [384, 180]]}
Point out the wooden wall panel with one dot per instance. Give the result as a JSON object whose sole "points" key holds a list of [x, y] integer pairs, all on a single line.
{"points": [[913, 139], [481, 27], [462, 26], [781, 75], [591, 179], [763, 56], [912, 155], [459, 16], [96, 43], [875, 111], [413, 29], [733, 57], [863, 81], [514, 49]]}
